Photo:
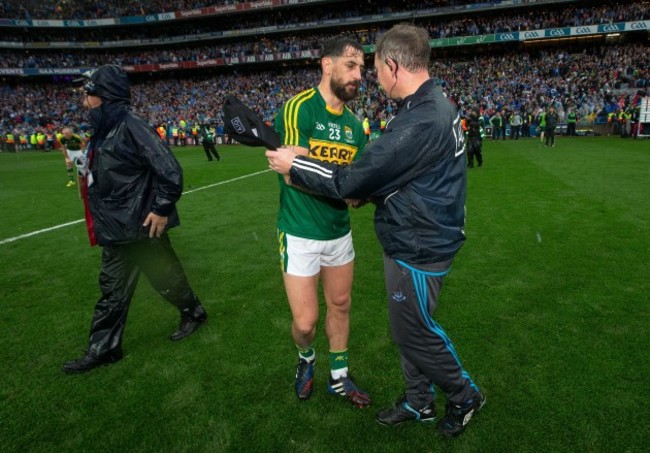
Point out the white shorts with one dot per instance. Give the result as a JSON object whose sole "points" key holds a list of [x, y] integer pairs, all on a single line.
{"points": [[72, 156], [304, 257]]}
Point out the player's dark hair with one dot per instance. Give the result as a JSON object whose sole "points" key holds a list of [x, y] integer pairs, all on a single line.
{"points": [[407, 45], [335, 47]]}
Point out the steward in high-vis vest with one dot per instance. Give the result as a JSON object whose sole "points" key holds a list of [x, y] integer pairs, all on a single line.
{"points": [[366, 128], [571, 120], [10, 141], [40, 138]]}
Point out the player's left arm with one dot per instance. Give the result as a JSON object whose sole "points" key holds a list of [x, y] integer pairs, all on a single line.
{"points": [[82, 143]]}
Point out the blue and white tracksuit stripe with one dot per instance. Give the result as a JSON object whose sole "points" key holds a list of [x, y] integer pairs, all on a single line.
{"points": [[427, 353]]}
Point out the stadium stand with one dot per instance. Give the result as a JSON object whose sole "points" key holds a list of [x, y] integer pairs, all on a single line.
{"points": [[596, 74]]}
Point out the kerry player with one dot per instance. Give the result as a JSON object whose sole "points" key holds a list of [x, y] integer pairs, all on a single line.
{"points": [[313, 231], [72, 146]]}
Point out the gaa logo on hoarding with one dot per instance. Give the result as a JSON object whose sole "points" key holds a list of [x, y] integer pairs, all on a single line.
{"points": [[556, 32], [238, 125], [532, 34], [638, 26], [583, 30], [610, 28], [506, 37]]}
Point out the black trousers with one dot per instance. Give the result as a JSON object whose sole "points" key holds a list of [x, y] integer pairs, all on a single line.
{"points": [[121, 267], [474, 149], [210, 148], [427, 355], [549, 136], [515, 132]]}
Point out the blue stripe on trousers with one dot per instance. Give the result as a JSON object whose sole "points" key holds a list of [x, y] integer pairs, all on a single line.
{"points": [[421, 289]]}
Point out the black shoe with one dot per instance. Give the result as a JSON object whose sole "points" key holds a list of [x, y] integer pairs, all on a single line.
{"points": [[403, 412], [191, 319], [88, 362], [304, 379], [458, 416]]}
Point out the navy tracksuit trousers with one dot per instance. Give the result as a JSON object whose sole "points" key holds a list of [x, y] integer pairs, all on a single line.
{"points": [[427, 354]]}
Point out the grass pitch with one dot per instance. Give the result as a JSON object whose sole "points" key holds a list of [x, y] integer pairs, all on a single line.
{"points": [[547, 306]]}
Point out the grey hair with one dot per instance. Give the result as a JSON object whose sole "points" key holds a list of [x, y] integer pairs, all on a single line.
{"points": [[406, 44]]}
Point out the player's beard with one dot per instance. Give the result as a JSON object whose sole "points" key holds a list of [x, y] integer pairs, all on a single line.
{"points": [[344, 91]]}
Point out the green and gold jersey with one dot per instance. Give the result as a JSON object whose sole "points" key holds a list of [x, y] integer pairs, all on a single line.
{"points": [[74, 143], [306, 121]]}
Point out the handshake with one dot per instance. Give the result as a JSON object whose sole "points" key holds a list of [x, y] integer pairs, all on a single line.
{"points": [[81, 163]]}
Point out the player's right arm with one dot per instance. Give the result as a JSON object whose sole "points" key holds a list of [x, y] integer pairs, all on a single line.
{"points": [[64, 150]]}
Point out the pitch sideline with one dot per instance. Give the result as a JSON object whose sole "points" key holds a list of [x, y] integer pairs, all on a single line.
{"points": [[74, 222]]}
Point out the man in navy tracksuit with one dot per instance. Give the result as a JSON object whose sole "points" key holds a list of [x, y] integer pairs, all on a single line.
{"points": [[415, 174]]}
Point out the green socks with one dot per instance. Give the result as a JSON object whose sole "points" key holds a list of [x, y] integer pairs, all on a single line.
{"points": [[339, 363], [307, 354], [338, 360]]}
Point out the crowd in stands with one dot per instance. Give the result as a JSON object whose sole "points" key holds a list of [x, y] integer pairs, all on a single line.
{"points": [[517, 19], [437, 27], [592, 82], [91, 9]]}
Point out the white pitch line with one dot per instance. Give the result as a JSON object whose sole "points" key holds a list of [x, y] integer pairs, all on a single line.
{"points": [[34, 233], [63, 225]]}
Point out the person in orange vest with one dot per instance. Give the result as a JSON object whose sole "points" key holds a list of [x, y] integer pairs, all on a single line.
{"points": [[49, 138], [162, 132]]}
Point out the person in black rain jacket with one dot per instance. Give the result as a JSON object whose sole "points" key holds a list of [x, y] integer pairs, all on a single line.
{"points": [[131, 183]]}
